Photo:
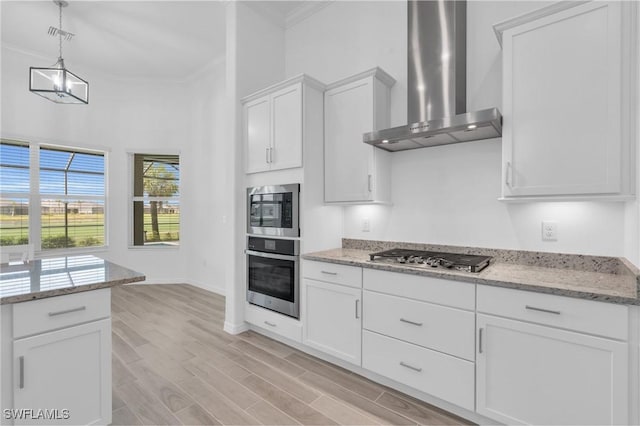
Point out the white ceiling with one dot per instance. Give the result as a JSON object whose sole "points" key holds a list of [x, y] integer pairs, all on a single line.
{"points": [[159, 39]]}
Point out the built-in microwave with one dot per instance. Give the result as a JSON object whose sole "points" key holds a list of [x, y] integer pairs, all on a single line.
{"points": [[273, 210]]}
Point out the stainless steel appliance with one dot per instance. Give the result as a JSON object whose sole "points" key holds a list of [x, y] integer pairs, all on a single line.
{"points": [[431, 259], [273, 210], [437, 72], [273, 271]]}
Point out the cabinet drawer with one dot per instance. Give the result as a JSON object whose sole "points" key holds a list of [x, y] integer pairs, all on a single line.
{"points": [[274, 322], [599, 318], [437, 374], [444, 329], [333, 273], [428, 289], [38, 316]]}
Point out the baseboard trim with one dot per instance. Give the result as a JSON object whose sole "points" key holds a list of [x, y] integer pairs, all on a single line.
{"points": [[214, 289], [235, 328]]}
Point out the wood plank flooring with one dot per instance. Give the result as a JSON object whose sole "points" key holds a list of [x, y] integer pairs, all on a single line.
{"points": [[173, 364]]}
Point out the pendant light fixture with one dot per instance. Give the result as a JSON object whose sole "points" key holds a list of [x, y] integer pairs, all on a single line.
{"points": [[56, 83]]}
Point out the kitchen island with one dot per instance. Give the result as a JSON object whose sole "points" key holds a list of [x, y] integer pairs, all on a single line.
{"points": [[56, 339]]}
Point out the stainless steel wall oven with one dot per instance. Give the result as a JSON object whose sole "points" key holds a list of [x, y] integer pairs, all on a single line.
{"points": [[273, 271]]}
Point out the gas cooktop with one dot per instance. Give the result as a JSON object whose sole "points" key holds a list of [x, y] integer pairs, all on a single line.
{"points": [[458, 261]]}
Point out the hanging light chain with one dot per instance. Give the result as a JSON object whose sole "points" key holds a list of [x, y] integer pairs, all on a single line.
{"points": [[60, 32]]}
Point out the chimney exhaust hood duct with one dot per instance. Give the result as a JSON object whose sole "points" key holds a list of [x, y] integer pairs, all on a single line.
{"points": [[437, 73]]}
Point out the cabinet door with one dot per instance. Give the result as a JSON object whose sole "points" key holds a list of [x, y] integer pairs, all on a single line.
{"points": [[348, 161], [66, 369], [333, 319], [286, 143], [562, 103], [257, 134], [540, 375]]}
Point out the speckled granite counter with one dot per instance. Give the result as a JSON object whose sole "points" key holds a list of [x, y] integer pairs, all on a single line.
{"points": [[607, 279], [60, 275]]}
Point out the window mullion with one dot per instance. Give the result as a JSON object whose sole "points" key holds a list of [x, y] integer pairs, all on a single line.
{"points": [[35, 236]]}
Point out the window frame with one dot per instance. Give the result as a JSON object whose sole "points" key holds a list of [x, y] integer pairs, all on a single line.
{"points": [[35, 198], [131, 153]]}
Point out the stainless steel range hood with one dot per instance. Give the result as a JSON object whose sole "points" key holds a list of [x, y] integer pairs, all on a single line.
{"points": [[437, 68]]}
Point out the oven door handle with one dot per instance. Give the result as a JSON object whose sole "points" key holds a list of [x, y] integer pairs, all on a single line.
{"points": [[272, 255]]}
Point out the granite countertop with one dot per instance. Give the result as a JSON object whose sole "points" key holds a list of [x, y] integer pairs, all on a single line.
{"points": [[58, 276], [607, 279]]}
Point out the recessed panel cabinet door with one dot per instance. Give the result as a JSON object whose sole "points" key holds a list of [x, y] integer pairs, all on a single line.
{"points": [[257, 134], [349, 113], [286, 105], [563, 104], [333, 321], [69, 369], [534, 374]]}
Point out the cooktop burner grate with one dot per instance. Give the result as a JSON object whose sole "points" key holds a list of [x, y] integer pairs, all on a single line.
{"points": [[458, 261]]}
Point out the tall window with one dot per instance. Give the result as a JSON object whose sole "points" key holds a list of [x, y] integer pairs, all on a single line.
{"points": [[14, 193], [67, 188], [72, 198], [156, 200]]}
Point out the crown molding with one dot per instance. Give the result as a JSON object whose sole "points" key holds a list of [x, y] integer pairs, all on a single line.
{"points": [[305, 10]]}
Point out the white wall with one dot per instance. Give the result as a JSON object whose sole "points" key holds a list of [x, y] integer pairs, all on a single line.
{"points": [[254, 60], [122, 116], [203, 184], [447, 194]]}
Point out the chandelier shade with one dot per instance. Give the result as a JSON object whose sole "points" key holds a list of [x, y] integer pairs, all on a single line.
{"points": [[57, 83]]}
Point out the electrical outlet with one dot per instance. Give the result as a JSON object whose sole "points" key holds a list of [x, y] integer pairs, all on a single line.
{"points": [[366, 225], [549, 230]]}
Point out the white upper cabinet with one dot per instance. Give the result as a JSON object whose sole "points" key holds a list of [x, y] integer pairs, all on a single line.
{"points": [[273, 129], [569, 102], [355, 172]]}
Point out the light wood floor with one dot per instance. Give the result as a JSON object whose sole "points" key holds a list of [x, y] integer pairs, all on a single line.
{"points": [[173, 364]]}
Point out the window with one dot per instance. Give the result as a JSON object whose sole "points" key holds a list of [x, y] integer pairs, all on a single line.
{"points": [[67, 188], [72, 198], [14, 193], [156, 200]]}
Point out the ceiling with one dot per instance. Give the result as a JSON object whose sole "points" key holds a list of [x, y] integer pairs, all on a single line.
{"points": [[133, 39]]}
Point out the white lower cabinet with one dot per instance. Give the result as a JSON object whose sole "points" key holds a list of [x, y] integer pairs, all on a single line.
{"points": [[275, 322], [512, 356], [333, 321], [419, 331], [443, 376], [56, 366], [533, 374], [68, 369]]}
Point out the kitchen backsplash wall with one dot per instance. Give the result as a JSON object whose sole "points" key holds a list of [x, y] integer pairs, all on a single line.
{"points": [[448, 194]]}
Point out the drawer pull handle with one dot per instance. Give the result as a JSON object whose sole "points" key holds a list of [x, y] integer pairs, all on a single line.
{"points": [[419, 324], [480, 340], [357, 303], [270, 324], [68, 311], [21, 378], [329, 273], [533, 308], [410, 367]]}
